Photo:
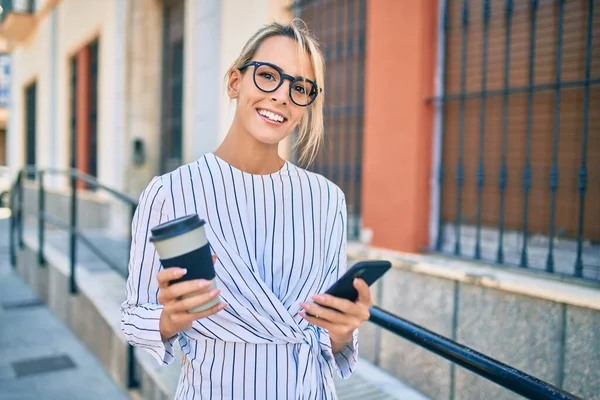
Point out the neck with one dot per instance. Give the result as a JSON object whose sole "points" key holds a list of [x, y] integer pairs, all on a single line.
{"points": [[247, 154]]}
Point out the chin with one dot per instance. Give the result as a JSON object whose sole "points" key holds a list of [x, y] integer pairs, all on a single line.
{"points": [[269, 135], [268, 139]]}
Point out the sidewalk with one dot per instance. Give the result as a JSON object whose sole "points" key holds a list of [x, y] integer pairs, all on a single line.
{"points": [[40, 358]]}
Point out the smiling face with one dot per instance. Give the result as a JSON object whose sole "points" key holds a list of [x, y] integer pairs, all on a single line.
{"points": [[269, 117]]}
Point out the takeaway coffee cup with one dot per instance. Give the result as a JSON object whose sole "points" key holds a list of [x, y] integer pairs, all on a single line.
{"points": [[182, 243]]}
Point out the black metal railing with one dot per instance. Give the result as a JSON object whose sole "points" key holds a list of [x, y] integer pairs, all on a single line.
{"points": [[482, 365], [75, 233], [516, 175]]}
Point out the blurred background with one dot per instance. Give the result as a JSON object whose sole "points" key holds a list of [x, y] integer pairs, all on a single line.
{"points": [[464, 133]]}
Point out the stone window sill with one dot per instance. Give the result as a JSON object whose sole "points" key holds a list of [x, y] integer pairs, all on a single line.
{"points": [[509, 279]]}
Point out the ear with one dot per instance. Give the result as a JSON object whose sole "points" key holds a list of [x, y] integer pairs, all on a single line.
{"points": [[233, 83]]}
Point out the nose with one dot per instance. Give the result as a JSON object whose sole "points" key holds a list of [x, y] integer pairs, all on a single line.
{"points": [[280, 95]]}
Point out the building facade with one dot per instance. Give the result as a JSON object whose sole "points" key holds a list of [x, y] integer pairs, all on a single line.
{"points": [[123, 90], [468, 129]]}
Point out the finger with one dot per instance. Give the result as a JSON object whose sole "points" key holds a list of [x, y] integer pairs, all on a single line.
{"points": [[337, 303], [364, 292], [184, 288], [317, 321], [193, 301], [203, 314], [326, 314], [168, 274], [175, 292], [214, 257]]}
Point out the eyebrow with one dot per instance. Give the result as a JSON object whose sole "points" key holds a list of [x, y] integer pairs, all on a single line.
{"points": [[292, 75]]}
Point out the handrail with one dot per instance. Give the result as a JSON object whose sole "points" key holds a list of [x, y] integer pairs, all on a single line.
{"points": [[16, 224], [43, 217], [89, 179], [480, 364]]}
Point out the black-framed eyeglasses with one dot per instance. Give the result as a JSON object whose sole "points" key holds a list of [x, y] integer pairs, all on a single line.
{"points": [[269, 77]]}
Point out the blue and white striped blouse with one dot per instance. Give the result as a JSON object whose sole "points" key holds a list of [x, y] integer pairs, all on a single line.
{"points": [[279, 239]]}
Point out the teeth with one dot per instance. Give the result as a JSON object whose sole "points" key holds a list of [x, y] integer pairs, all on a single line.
{"points": [[271, 116]]}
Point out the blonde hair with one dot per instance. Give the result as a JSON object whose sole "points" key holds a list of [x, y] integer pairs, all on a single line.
{"points": [[311, 126]]}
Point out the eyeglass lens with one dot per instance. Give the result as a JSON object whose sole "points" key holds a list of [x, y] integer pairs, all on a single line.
{"points": [[268, 79]]}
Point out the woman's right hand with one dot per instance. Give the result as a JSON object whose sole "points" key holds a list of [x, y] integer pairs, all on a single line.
{"points": [[175, 317]]}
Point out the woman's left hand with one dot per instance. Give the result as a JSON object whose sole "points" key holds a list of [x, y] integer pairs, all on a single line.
{"points": [[339, 316]]}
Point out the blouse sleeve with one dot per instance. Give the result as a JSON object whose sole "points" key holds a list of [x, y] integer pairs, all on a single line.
{"points": [[344, 361], [140, 312]]}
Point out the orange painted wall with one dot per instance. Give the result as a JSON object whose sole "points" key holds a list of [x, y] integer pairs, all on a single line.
{"points": [[398, 130], [83, 107]]}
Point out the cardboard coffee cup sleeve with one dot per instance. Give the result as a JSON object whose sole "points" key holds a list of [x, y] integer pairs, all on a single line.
{"points": [[199, 264]]}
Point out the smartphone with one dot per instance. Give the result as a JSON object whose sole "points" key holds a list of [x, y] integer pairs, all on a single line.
{"points": [[369, 271]]}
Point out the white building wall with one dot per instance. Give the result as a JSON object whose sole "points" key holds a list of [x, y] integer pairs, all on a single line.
{"points": [[80, 22], [203, 46], [142, 91], [240, 20], [29, 64]]}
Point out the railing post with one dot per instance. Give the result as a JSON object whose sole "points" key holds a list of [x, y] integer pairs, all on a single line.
{"points": [[22, 174], [132, 209], [503, 175], [132, 381], [439, 241], [73, 233], [41, 218], [11, 236], [480, 174], [527, 179], [583, 168], [554, 168], [13, 221], [460, 170]]}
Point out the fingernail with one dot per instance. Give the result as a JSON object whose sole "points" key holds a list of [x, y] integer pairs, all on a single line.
{"points": [[204, 284], [304, 305], [183, 271], [214, 292], [318, 297]]}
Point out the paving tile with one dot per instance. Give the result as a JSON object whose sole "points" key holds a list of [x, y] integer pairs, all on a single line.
{"points": [[41, 365]]}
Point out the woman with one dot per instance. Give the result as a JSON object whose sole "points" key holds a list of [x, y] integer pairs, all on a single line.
{"points": [[278, 236]]}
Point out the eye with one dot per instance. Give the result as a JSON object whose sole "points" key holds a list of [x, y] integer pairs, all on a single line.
{"points": [[267, 75], [300, 89]]}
